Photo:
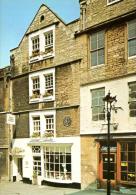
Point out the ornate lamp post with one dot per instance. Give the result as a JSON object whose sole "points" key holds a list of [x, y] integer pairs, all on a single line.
{"points": [[109, 100]]}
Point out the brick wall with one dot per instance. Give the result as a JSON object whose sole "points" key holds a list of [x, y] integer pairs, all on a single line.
{"points": [[73, 128], [21, 129]]}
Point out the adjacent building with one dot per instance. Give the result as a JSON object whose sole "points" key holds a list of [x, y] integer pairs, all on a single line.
{"points": [[45, 100], [108, 37], [59, 75], [5, 129]]}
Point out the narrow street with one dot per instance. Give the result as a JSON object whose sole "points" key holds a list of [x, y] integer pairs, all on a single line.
{"points": [[19, 188]]}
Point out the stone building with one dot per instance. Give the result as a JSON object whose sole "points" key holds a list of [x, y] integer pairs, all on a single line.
{"points": [[5, 130], [45, 100], [108, 38], [60, 74]]}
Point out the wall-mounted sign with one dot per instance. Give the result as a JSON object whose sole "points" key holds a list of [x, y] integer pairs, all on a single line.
{"points": [[67, 121], [10, 119]]}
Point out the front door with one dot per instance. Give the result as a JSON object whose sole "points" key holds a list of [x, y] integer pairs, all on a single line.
{"points": [[20, 168], [112, 166]]}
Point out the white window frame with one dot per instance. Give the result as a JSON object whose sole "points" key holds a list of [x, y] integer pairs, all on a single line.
{"points": [[132, 100], [112, 2], [97, 106], [43, 52], [48, 39], [36, 124], [60, 152], [43, 96], [49, 83], [35, 43], [42, 115], [37, 165]]}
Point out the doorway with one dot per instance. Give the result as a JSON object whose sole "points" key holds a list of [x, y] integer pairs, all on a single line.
{"points": [[20, 169], [112, 166]]}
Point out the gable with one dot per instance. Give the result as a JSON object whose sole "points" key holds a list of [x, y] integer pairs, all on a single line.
{"points": [[44, 18]]}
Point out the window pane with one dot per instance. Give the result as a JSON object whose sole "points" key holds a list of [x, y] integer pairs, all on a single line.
{"points": [[132, 47], [94, 41], [101, 56], [128, 161], [98, 104], [124, 176], [131, 167], [95, 102], [132, 99], [123, 156], [131, 147], [94, 58], [132, 29], [59, 165], [100, 39]]}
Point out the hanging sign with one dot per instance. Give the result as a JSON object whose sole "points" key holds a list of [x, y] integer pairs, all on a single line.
{"points": [[10, 119]]}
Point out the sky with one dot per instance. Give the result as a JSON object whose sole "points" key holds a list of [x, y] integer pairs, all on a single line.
{"points": [[16, 16]]}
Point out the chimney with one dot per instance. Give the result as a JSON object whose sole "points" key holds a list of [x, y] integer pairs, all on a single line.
{"points": [[83, 4]]}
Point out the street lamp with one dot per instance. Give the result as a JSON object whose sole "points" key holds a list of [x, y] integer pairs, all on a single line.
{"points": [[109, 100]]}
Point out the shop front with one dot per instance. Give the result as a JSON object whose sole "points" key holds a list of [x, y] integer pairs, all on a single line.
{"points": [[56, 161], [122, 163]]}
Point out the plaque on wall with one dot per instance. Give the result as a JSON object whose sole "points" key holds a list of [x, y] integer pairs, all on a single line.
{"points": [[67, 121]]}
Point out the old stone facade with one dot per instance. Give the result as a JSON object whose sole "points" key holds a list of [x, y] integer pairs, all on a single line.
{"points": [[108, 65], [5, 130], [45, 100], [59, 76]]}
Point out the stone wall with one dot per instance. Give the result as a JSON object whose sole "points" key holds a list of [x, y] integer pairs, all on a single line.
{"points": [[4, 131], [97, 11], [68, 84], [117, 63], [65, 43], [89, 162], [63, 129]]}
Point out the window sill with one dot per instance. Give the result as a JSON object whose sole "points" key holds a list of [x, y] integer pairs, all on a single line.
{"points": [[114, 2], [58, 180], [132, 57], [97, 66], [44, 99], [41, 57]]}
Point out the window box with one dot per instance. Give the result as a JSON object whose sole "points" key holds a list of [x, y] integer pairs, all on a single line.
{"points": [[48, 93], [35, 53], [35, 96], [35, 134], [49, 50], [48, 134]]}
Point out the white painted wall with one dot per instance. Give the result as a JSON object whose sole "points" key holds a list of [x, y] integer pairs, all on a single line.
{"points": [[26, 155], [28, 160], [118, 87]]}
